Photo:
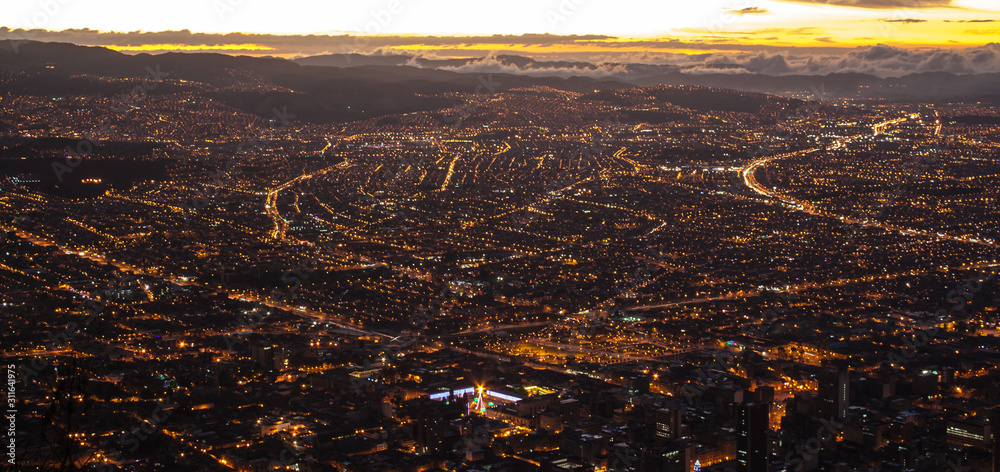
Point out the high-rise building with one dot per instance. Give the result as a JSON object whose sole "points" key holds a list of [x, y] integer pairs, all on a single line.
{"points": [[270, 357], [672, 457], [833, 393], [637, 385], [263, 355], [968, 433], [569, 409], [584, 447], [428, 433], [668, 424], [995, 422], [751, 441]]}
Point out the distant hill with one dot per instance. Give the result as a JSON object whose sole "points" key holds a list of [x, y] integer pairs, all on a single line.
{"points": [[317, 93], [353, 60], [341, 87], [913, 87]]}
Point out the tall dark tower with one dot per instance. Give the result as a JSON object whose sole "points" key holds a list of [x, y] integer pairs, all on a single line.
{"points": [[833, 393], [995, 446], [751, 440], [668, 424], [428, 433]]}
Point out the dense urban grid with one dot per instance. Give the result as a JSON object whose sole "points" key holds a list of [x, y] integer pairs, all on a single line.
{"points": [[662, 278]]}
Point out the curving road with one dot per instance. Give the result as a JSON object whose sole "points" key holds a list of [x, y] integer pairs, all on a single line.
{"points": [[750, 180], [271, 203]]}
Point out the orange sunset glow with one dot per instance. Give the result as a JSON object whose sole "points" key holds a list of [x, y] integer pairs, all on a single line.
{"points": [[585, 28]]}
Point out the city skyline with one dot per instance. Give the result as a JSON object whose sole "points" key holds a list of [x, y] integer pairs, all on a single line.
{"points": [[774, 247]]}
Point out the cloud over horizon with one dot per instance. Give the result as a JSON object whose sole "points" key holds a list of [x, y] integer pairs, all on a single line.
{"points": [[879, 60], [879, 4]]}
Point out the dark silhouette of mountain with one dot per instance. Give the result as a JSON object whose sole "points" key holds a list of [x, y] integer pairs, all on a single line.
{"points": [[918, 86], [321, 88], [69, 59], [214, 69], [496, 64], [353, 60], [835, 85], [316, 93]]}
